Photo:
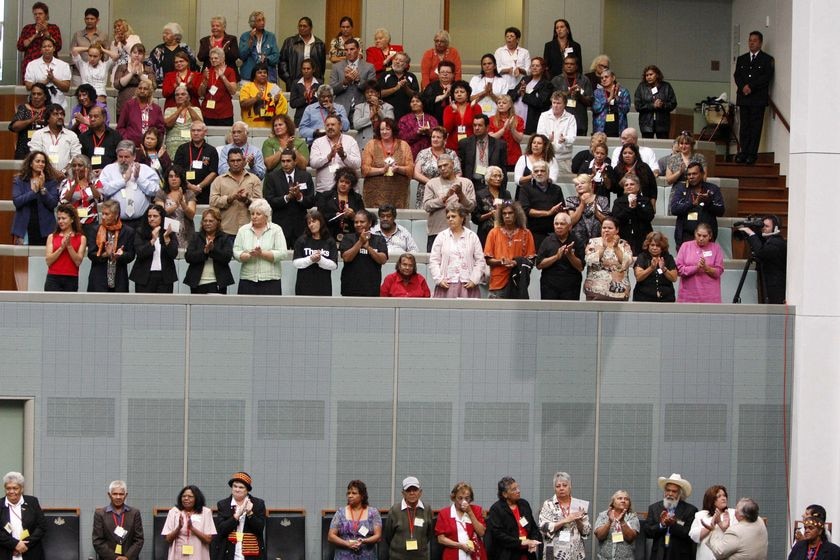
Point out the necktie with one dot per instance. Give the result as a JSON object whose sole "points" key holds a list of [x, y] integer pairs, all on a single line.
{"points": [[290, 180]]}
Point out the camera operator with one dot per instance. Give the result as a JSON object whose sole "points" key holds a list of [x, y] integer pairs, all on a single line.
{"points": [[770, 251]]}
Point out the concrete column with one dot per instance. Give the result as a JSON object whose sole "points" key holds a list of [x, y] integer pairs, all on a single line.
{"points": [[813, 265]]}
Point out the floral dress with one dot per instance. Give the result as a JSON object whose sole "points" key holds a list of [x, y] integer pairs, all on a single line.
{"points": [[607, 278], [566, 540]]}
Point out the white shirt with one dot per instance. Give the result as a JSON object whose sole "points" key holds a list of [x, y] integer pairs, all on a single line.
{"points": [[237, 552], [646, 154], [518, 58], [135, 196], [60, 149], [15, 514], [96, 76], [461, 520], [36, 71], [564, 126], [325, 168], [499, 87]]}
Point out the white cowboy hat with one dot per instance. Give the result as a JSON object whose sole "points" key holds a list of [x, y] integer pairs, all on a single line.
{"points": [[675, 478]]}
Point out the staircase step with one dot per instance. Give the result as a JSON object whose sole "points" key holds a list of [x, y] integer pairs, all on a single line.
{"points": [[742, 170], [759, 192], [762, 205], [770, 183]]}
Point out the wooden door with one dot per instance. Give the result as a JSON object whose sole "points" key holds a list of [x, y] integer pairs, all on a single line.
{"points": [[337, 9]]}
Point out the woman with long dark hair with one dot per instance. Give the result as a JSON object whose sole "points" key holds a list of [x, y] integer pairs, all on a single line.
{"points": [[65, 251], [156, 247]]}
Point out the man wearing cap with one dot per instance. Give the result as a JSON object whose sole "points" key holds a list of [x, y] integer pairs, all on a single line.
{"points": [[241, 522], [409, 526], [668, 521], [117, 528]]}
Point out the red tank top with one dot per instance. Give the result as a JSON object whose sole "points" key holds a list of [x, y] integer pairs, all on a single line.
{"points": [[64, 265]]}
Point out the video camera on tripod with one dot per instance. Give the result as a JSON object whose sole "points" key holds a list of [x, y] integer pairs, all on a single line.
{"points": [[755, 223]]}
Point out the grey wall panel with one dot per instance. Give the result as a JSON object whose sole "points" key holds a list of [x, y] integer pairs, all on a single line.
{"points": [[304, 397]]}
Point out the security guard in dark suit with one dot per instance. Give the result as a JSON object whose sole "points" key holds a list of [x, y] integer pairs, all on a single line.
{"points": [[753, 75]]}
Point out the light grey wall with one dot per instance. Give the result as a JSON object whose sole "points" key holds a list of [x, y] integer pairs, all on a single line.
{"points": [[306, 394]]}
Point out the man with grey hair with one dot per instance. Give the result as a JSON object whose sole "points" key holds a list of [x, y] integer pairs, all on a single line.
{"points": [[130, 183], [117, 527], [745, 540], [669, 520], [254, 161], [631, 136], [398, 85], [313, 123], [200, 159]]}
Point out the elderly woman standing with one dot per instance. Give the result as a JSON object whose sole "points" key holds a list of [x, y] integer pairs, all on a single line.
{"points": [[565, 520], [217, 88], [260, 246], [437, 54], [610, 105], [381, 54], [189, 526], [616, 528], [587, 209], [219, 39], [162, 57], [110, 251], [24, 522], [356, 528], [487, 200], [460, 527], [514, 533], [608, 260], [456, 262], [715, 508], [258, 46]]}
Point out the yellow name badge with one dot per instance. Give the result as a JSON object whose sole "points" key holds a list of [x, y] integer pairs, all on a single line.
{"points": [[24, 534], [411, 545], [96, 160], [190, 175], [118, 549], [53, 158], [571, 104], [30, 134], [210, 104], [610, 117], [185, 133], [239, 536], [618, 537], [692, 216], [187, 550]]}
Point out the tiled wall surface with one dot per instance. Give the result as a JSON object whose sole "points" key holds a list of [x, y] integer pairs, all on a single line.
{"points": [[307, 398]]}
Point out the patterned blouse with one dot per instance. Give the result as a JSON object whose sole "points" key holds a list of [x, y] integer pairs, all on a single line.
{"points": [[609, 550], [349, 529], [567, 540]]}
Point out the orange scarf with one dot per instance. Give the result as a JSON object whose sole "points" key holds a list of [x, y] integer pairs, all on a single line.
{"points": [[102, 235]]}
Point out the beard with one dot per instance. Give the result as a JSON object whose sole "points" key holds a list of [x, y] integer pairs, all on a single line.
{"points": [[123, 167], [670, 503]]}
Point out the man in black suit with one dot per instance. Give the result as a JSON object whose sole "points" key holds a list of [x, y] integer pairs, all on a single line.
{"points": [[117, 528], [480, 151], [753, 74], [241, 521], [669, 520], [290, 192], [22, 522]]}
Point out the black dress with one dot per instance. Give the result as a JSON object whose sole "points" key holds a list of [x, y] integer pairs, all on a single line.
{"points": [[656, 287]]}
